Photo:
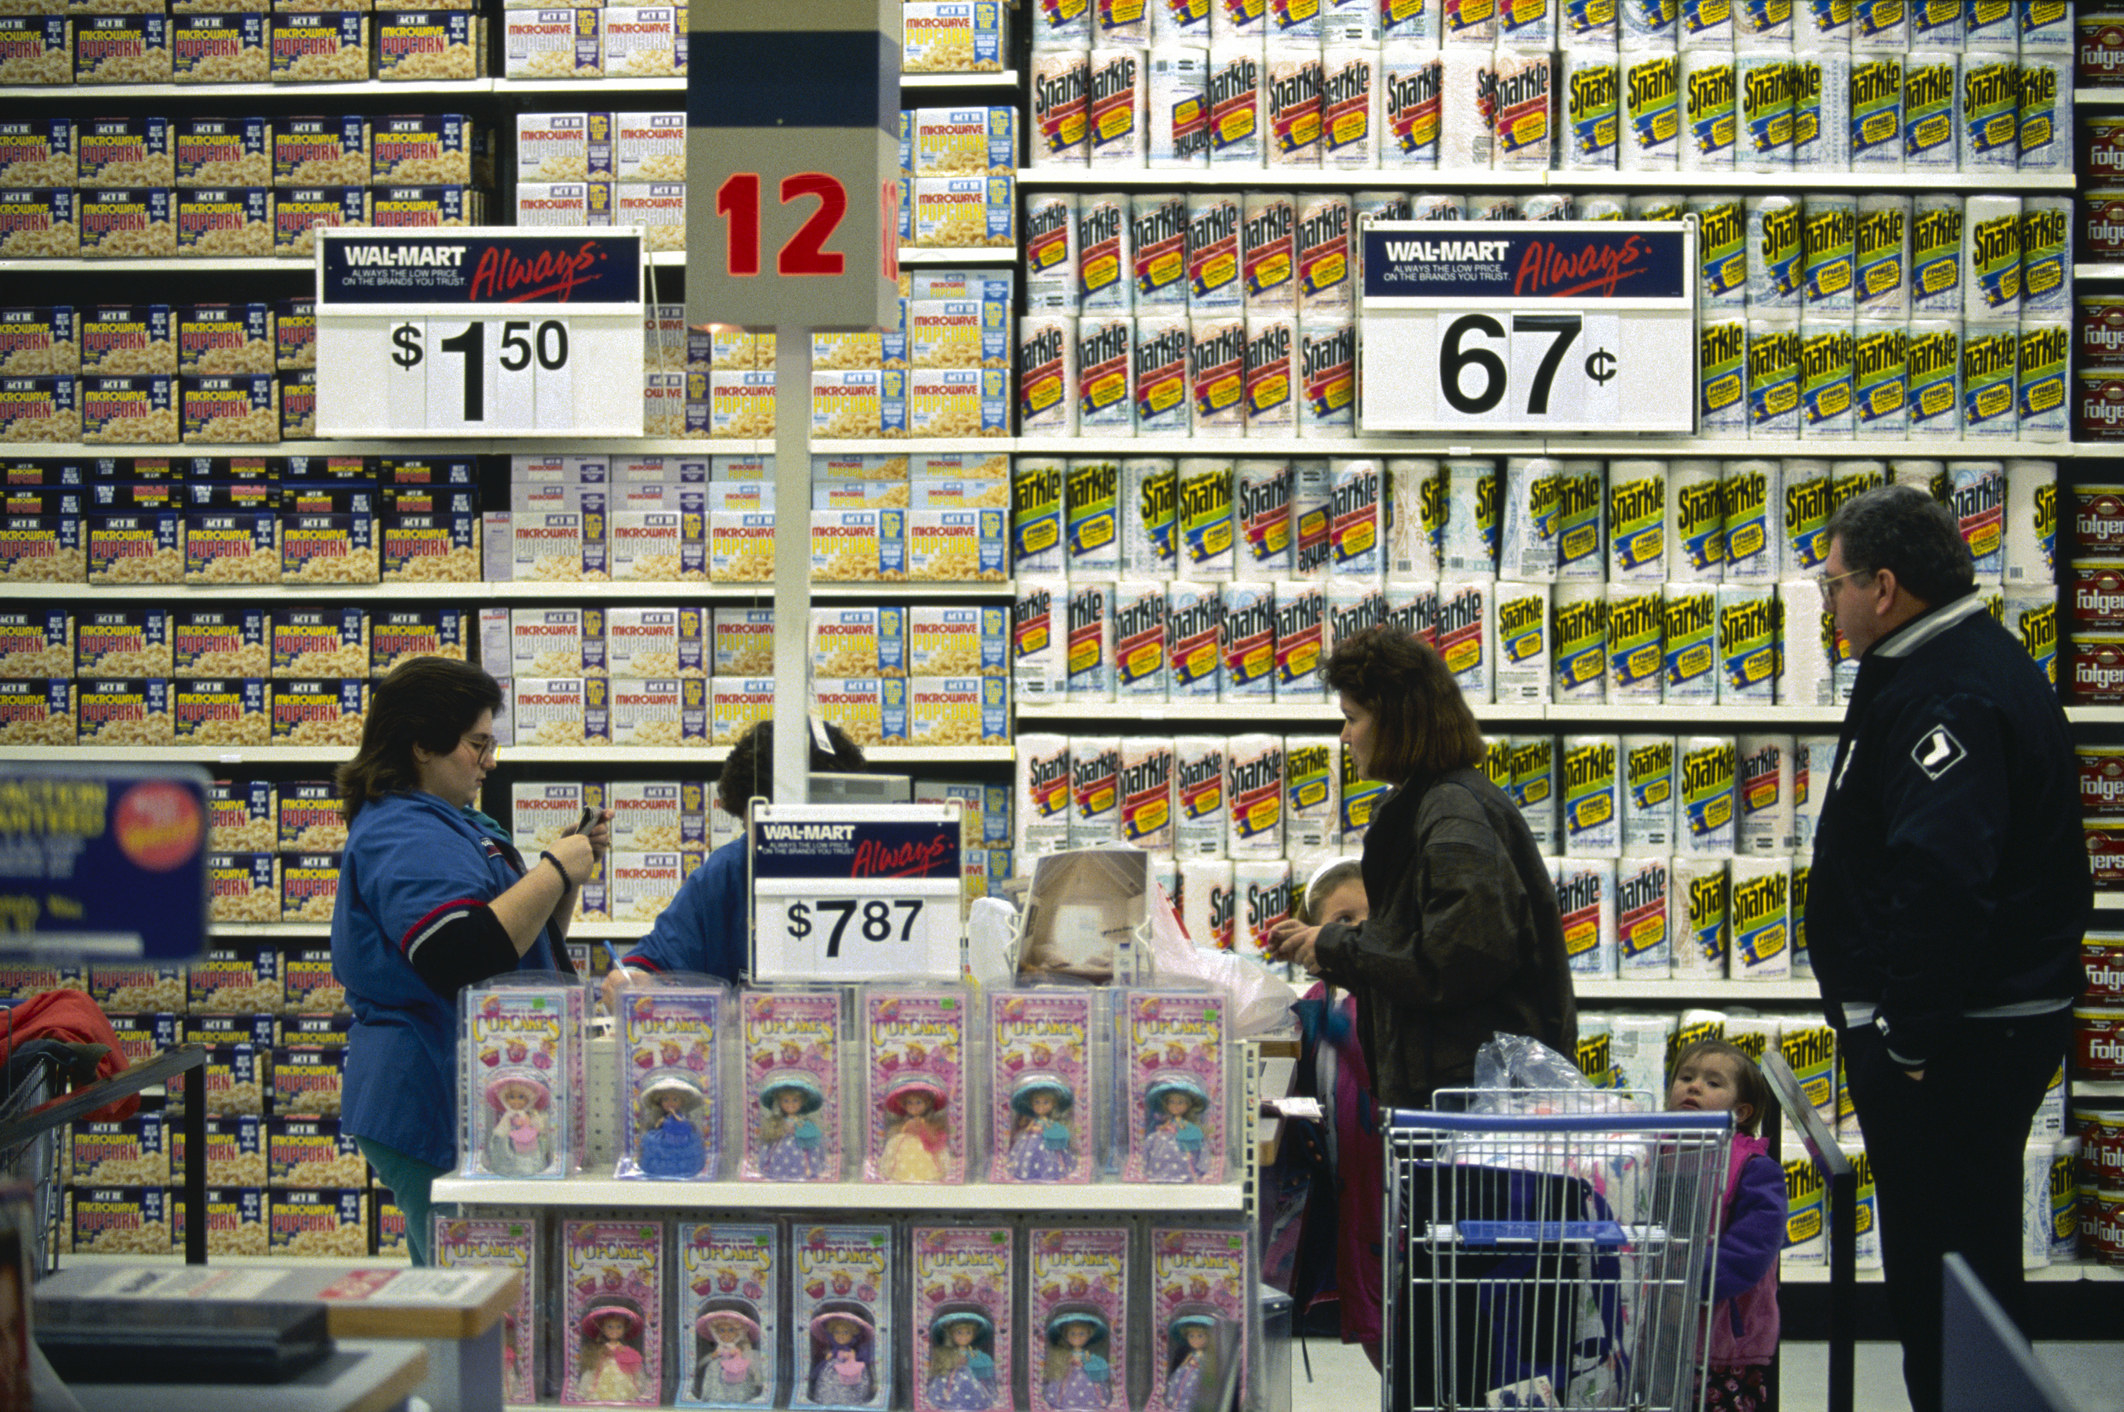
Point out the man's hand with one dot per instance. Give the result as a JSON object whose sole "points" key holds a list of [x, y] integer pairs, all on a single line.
{"points": [[1292, 940], [1916, 1076]]}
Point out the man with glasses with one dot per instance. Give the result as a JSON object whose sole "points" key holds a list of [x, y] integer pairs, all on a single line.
{"points": [[1949, 894]]}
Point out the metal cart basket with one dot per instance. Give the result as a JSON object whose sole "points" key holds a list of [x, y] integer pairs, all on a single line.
{"points": [[1556, 1255]]}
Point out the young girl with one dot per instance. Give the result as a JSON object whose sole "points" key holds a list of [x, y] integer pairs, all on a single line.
{"points": [[1714, 1077]]}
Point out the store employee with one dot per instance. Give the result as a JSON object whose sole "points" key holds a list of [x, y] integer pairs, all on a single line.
{"points": [[706, 927]]}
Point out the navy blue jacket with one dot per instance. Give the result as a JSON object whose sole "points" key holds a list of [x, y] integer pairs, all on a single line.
{"points": [[1950, 873]]}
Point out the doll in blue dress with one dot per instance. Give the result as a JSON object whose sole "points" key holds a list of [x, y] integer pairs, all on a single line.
{"points": [[1078, 1376], [792, 1148], [1192, 1365], [1173, 1141], [1040, 1142], [669, 1121], [962, 1374]]}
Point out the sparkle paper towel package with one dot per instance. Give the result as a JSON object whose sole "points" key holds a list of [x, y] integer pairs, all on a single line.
{"points": [[1141, 671], [1709, 112], [1706, 818], [1146, 788], [1747, 644], [1821, 112], [1416, 509], [1636, 635], [1301, 640], [1581, 543], [1149, 495], [1253, 797], [1690, 630], [1754, 505], [1637, 519], [1469, 540], [1095, 790], [1524, 663], [1767, 766], [1040, 639], [1643, 943], [1652, 111], [1412, 105], [1198, 796], [1592, 819], [1042, 797], [1262, 490], [1773, 375], [1534, 786], [1591, 122], [1528, 537], [1261, 891], [1206, 901], [1466, 610], [1648, 794], [1696, 522], [1585, 903], [1758, 895], [1696, 912], [1312, 804], [1249, 642], [1091, 641], [1579, 622]]}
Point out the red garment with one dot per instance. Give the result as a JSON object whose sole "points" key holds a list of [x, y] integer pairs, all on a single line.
{"points": [[70, 1017]]}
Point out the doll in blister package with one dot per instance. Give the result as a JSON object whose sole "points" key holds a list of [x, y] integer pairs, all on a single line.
{"points": [[669, 1123], [1172, 1126], [1078, 1375], [915, 1147], [792, 1146], [1040, 1144], [611, 1359], [962, 1373], [520, 1142], [1191, 1360], [729, 1370], [844, 1346]]}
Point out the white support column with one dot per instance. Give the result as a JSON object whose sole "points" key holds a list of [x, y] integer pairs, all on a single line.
{"points": [[792, 564]]}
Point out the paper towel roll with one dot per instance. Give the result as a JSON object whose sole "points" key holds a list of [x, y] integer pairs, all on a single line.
{"points": [[1142, 667], [1412, 98], [1977, 500], [1866, 1229], [1763, 90], [1931, 110], [1493, 206], [1528, 536], [1773, 374], [1808, 498], [1989, 136], [1194, 627], [1991, 354], [1747, 644], [1466, 75], [1647, 24], [1932, 26], [1648, 793], [1040, 639], [1179, 22], [1301, 640], [1249, 642], [1636, 639], [2040, 382], [1847, 1124], [1106, 375], [1437, 206], [1774, 268], [1764, 794], [1146, 789], [1696, 910], [2031, 522], [1357, 488], [2049, 1123], [1238, 19], [1164, 399], [1643, 942], [1991, 258], [1253, 797], [1706, 819], [1591, 85], [1313, 507], [1579, 642], [1637, 521], [1410, 26], [1176, 103], [2046, 257], [1524, 660], [1206, 910], [1710, 113], [1596, 1054], [1041, 800], [1934, 365], [1047, 373], [1292, 103], [1198, 796], [2035, 1205], [1880, 24], [1827, 347], [1236, 77], [1095, 790], [1466, 610], [1689, 626], [1587, 766], [1809, 1048], [1652, 114], [1705, 24], [1821, 112], [1261, 894], [1877, 111], [1722, 373], [1090, 645], [1810, 785], [1585, 898], [1216, 373], [1802, 875], [1120, 100], [1880, 378], [1581, 539], [1534, 786], [2064, 1199], [1106, 264], [1416, 490], [1351, 90], [1523, 127], [1639, 1046], [1469, 540], [1808, 661], [1312, 799], [1828, 235], [1263, 514], [1881, 256], [1754, 503], [1468, 24], [1696, 521], [1204, 517], [1061, 113]]}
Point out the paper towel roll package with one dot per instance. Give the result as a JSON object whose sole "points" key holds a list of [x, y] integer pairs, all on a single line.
{"points": [[1040, 639], [1708, 24], [1263, 514], [1146, 789], [1763, 83], [1706, 819], [1636, 641], [1767, 766], [1991, 258], [1643, 942], [1592, 812], [1652, 112], [1648, 794], [1710, 113], [1194, 628], [1142, 667], [1528, 536], [1754, 515], [1262, 894], [1880, 378], [1176, 103], [1416, 510], [1637, 521], [2046, 257], [1249, 642], [2031, 522], [1524, 661], [1579, 620], [1206, 548], [1591, 89], [1821, 111], [1312, 804], [1759, 894], [1828, 246], [1989, 139], [1690, 632], [1356, 496], [1696, 521], [1880, 24], [1466, 76], [1198, 796], [1253, 797], [1722, 374], [1976, 497], [1120, 107], [1523, 127], [1534, 786], [1596, 1054], [1808, 498], [1696, 910], [1991, 362], [1301, 639], [1877, 111], [1585, 900], [1466, 612], [2045, 112], [1639, 1045], [1581, 502], [1469, 541], [1806, 654], [1041, 795], [1091, 641], [1881, 255], [2040, 381], [1206, 901], [1934, 365], [1095, 790], [1747, 644]]}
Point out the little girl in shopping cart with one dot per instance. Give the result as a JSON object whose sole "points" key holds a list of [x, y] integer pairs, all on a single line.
{"points": [[1713, 1076]]}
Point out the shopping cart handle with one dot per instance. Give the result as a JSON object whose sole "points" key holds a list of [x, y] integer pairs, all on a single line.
{"points": [[1558, 1122], [1603, 1235]]}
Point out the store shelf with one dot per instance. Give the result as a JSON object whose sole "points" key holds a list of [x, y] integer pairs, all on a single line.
{"points": [[2098, 97], [970, 255], [1229, 713], [2073, 1273], [415, 444], [538, 590], [1649, 714], [1004, 78], [2098, 1088], [2109, 901], [265, 931], [1491, 179], [2115, 271], [824, 1196], [1841, 449], [880, 756], [1676, 991], [915, 446], [212, 92], [182, 754], [256, 264], [1095, 444], [610, 83], [1239, 713], [2095, 715]]}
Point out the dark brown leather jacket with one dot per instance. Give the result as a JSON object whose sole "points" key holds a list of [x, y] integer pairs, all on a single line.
{"points": [[1464, 940]]}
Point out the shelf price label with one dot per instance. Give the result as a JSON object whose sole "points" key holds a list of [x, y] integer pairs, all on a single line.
{"points": [[1537, 326], [479, 332], [855, 892]]}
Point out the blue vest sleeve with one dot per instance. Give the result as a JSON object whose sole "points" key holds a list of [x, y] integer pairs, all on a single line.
{"points": [[704, 927]]}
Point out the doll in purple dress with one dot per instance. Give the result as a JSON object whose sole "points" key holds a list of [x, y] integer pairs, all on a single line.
{"points": [[1040, 1141], [792, 1149], [840, 1372], [1192, 1366], [1078, 1376], [1173, 1141], [962, 1374]]}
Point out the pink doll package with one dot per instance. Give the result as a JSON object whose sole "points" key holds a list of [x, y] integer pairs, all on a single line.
{"points": [[961, 1333], [841, 1321], [1198, 1329], [791, 1041], [1076, 1320], [1040, 1090], [511, 1244], [612, 1308], [1174, 1047], [917, 1093], [729, 1337], [517, 1051], [669, 1081]]}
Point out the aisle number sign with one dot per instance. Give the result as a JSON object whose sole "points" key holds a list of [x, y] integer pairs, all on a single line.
{"points": [[792, 159], [1528, 326], [855, 892], [479, 331]]}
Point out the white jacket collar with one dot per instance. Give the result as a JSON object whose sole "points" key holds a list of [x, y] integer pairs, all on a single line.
{"points": [[1919, 631]]}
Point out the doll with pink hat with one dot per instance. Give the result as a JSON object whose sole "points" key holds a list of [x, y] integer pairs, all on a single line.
{"points": [[843, 1344], [611, 1363], [728, 1373], [520, 1142], [916, 1136]]}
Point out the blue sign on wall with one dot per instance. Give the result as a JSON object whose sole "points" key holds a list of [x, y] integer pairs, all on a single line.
{"points": [[103, 861]]}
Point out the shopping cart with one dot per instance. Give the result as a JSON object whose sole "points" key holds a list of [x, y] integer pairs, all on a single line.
{"points": [[1555, 1255]]}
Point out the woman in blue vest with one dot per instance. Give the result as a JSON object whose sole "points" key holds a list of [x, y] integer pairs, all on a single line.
{"points": [[432, 898]]}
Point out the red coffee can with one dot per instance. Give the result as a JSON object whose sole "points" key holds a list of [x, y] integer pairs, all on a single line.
{"points": [[2102, 223], [2102, 957], [2095, 594], [2101, 330], [2101, 407], [2098, 519], [2101, 47], [2097, 675], [2098, 1043], [2102, 780]]}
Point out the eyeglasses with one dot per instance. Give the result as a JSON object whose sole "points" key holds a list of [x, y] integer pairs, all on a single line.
{"points": [[482, 745], [1827, 584]]}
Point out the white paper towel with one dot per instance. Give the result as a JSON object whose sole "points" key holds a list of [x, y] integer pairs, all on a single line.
{"points": [[1466, 78], [1350, 123], [1591, 85], [1690, 630], [2031, 522], [1176, 103], [1206, 901], [1469, 540], [1758, 900], [1524, 661], [1466, 610], [1527, 540], [1810, 785], [1821, 112], [1120, 103], [1763, 94], [1696, 909], [1747, 644], [1706, 818], [1253, 797], [1696, 521], [1262, 893], [1095, 790], [1090, 645], [1579, 617], [1147, 792], [1991, 258], [1523, 127], [1411, 105], [1585, 898], [1649, 793], [1754, 502], [1643, 942], [1416, 508], [1637, 520], [1710, 113], [1194, 631], [1534, 786], [1312, 799], [1652, 111], [1990, 111], [1291, 103], [1581, 505], [1588, 767], [1767, 767], [1809, 1047], [1198, 796], [1041, 801], [1639, 1045], [1636, 635], [1040, 639]]}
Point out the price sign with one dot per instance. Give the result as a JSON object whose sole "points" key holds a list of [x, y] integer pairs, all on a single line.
{"points": [[792, 144], [479, 332], [105, 861], [855, 892], [1537, 326]]}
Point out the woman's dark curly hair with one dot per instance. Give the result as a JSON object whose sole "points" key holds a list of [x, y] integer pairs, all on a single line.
{"points": [[1422, 724], [428, 702]]}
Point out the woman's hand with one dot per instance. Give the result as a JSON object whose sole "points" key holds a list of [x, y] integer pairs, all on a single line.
{"points": [[577, 855], [600, 834], [1292, 940]]}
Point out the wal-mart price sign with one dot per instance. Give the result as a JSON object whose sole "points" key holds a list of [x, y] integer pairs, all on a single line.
{"points": [[479, 331], [792, 163], [1528, 327], [855, 892]]}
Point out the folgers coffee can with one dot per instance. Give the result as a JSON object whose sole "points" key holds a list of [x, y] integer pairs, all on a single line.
{"points": [[2099, 332], [2101, 47], [2098, 676], [2098, 1042], [2097, 595], [2102, 223], [2098, 519], [2100, 405], [2102, 957], [2102, 160], [2105, 853]]}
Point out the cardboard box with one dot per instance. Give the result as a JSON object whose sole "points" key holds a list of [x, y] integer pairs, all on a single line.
{"points": [[224, 151], [218, 48], [319, 711], [330, 46], [125, 223], [37, 152], [553, 44], [124, 152]]}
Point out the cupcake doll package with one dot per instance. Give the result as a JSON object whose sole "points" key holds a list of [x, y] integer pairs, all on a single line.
{"points": [[669, 1079], [516, 1102], [1076, 1324], [1175, 1085], [1199, 1284], [511, 1244], [1040, 1086], [729, 1335], [917, 1095], [842, 1319], [961, 1334], [792, 1076], [612, 1299]]}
